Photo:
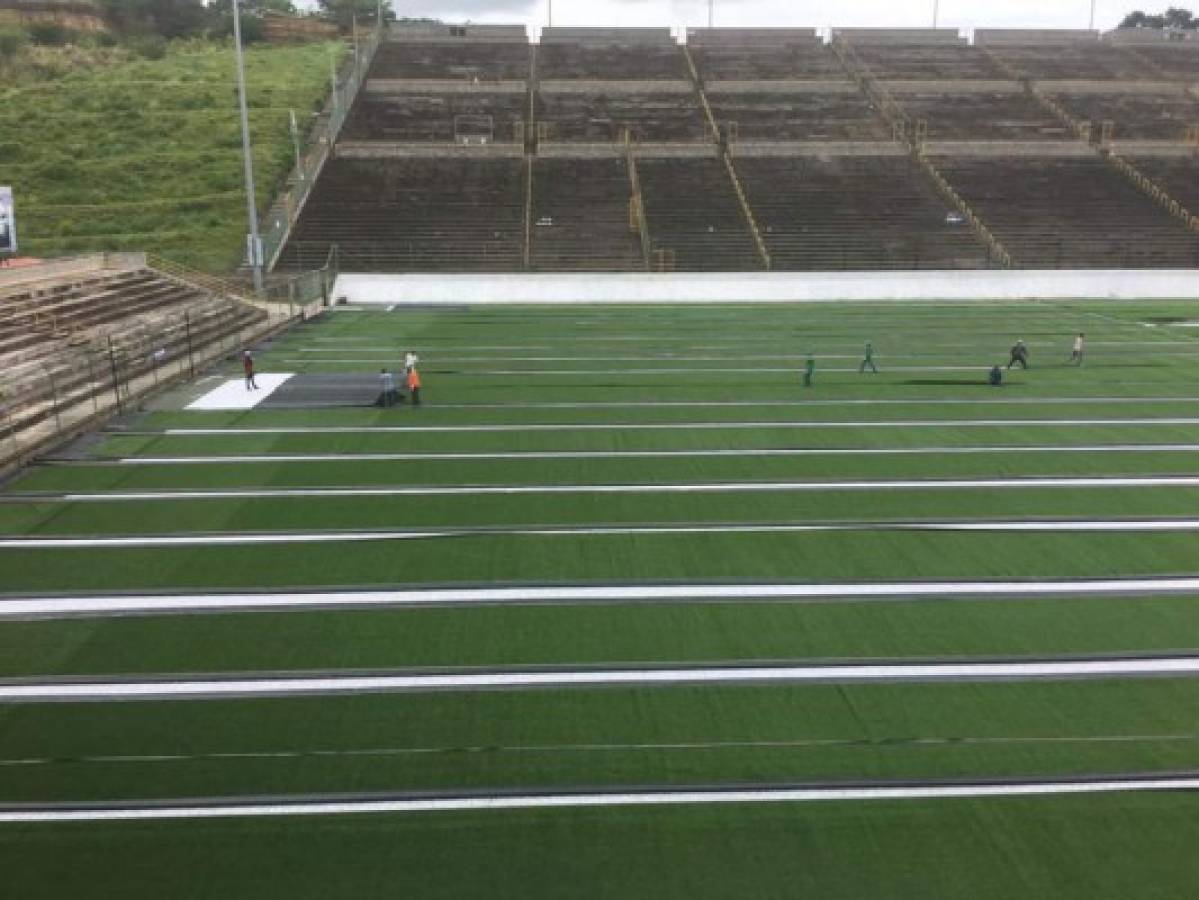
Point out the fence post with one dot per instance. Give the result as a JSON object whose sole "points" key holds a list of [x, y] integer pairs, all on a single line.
{"points": [[187, 326], [54, 401], [116, 383]]}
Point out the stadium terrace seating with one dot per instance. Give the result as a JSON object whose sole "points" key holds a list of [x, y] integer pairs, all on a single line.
{"points": [[55, 334], [593, 61], [1178, 59], [835, 113], [919, 54], [1076, 211], [1136, 116], [692, 211], [1177, 175], [1002, 113], [581, 216], [854, 212], [604, 116], [437, 116], [1063, 56], [751, 54], [453, 61], [414, 213]]}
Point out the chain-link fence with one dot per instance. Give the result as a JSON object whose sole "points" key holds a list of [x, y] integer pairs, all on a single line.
{"points": [[277, 223]]}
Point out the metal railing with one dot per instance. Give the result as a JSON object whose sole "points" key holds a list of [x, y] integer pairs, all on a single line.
{"points": [[278, 222]]}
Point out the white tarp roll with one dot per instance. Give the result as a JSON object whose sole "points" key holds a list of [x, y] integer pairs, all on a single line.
{"points": [[8, 221]]}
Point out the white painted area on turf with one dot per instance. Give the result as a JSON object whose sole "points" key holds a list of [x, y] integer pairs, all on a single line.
{"points": [[769, 287], [134, 604], [694, 488], [233, 394], [509, 802], [644, 454], [216, 688], [671, 426], [247, 539]]}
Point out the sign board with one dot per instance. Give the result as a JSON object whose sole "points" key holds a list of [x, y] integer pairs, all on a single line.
{"points": [[8, 222]]}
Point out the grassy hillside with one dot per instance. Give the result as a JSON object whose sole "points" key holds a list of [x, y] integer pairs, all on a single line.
{"points": [[146, 155]]}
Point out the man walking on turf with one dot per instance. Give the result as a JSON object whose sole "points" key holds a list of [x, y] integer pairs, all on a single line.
{"points": [[247, 363], [868, 360], [809, 369], [1019, 355], [414, 385], [410, 361], [1080, 343], [387, 388]]}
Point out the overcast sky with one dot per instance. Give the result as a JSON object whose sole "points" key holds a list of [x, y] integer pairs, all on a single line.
{"points": [[964, 14]]}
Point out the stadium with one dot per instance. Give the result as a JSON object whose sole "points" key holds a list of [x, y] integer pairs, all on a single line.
{"points": [[617, 462]]}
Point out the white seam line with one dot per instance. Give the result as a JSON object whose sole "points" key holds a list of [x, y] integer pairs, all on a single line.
{"points": [[647, 454], [581, 594], [216, 688], [697, 488], [329, 537], [593, 800], [662, 426]]}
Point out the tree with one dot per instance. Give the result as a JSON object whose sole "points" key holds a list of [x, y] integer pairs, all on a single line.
{"points": [[1174, 18], [224, 7], [168, 18], [343, 12]]}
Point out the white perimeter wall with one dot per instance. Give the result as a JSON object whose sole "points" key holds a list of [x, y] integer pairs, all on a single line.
{"points": [[770, 287]]}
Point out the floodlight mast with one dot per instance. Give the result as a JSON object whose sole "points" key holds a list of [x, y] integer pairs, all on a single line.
{"points": [[1091, 26], [711, 12], [255, 248], [936, 12]]}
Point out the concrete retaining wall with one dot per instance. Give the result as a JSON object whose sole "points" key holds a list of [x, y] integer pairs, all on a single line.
{"points": [[767, 287]]}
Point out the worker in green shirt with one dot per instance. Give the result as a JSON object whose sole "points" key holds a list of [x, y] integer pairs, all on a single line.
{"points": [[868, 360]]}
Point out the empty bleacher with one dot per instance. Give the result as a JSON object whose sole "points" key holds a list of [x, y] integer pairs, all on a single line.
{"points": [[854, 212], [601, 54], [1178, 59], [1062, 56], [450, 60], [604, 114], [65, 338], [1070, 211], [472, 114], [986, 112], [836, 112], [1161, 114], [919, 54], [694, 216], [1177, 174], [414, 213], [581, 217], [762, 54]]}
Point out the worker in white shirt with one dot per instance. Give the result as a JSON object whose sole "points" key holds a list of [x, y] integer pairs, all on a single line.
{"points": [[410, 361], [1079, 345]]}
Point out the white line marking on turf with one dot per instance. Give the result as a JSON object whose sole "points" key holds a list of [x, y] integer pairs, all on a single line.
{"points": [[706, 404], [216, 688], [665, 426], [135, 604], [643, 454], [332, 537], [698, 488], [233, 394], [192, 810]]}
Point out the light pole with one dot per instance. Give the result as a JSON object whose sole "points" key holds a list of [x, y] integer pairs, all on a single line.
{"points": [[551, 14], [255, 247], [936, 11], [1091, 26], [711, 12]]}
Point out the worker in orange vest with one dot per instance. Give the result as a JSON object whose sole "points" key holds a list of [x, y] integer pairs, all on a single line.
{"points": [[414, 385]]}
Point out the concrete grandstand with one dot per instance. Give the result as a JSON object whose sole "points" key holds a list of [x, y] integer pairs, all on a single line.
{"points": [[470, 148]]}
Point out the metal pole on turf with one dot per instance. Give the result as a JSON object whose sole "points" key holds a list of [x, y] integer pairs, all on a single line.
{"points": [[255, 247]]}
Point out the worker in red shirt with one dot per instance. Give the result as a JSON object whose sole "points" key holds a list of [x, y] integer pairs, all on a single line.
{"points": [[414, 385], [247, 362]]}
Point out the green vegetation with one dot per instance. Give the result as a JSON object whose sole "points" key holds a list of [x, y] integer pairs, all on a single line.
{"points": [[145, 154]]}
